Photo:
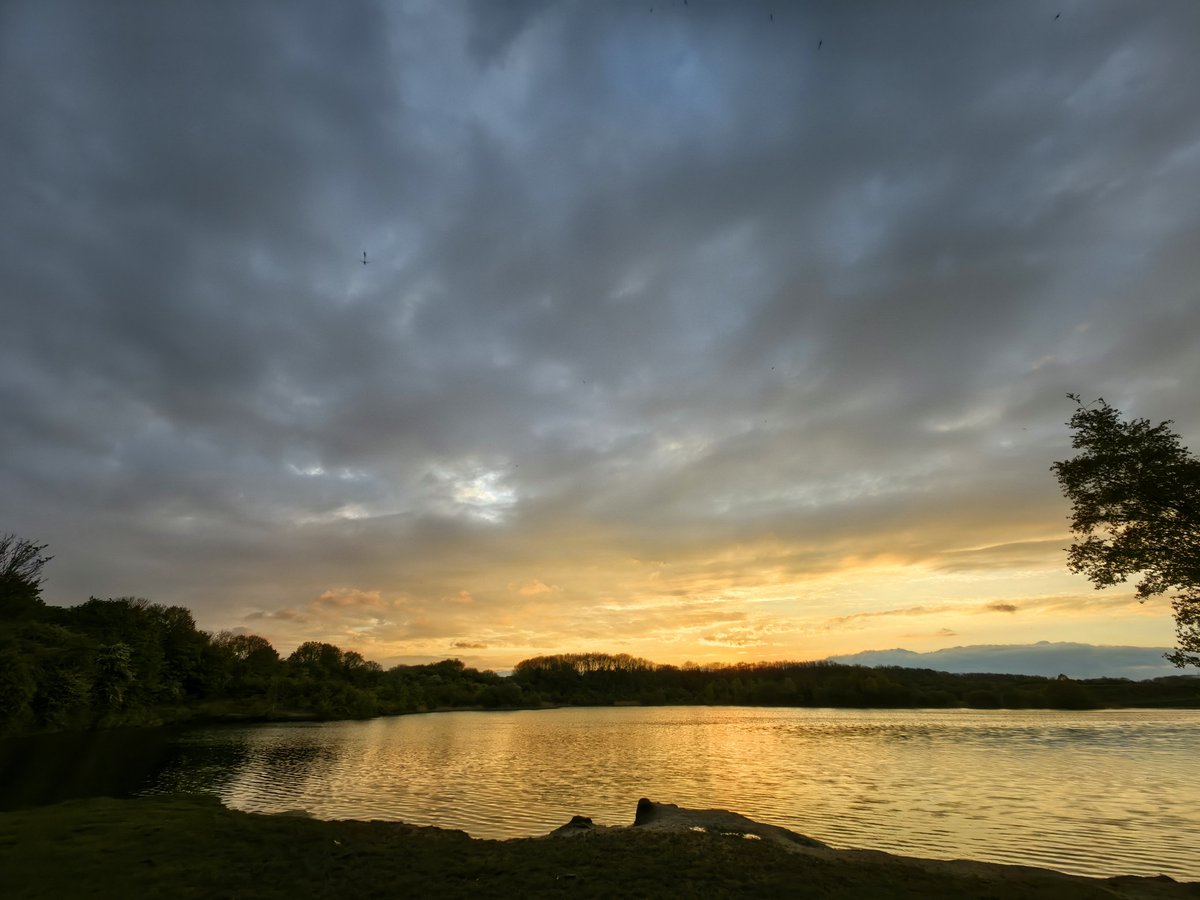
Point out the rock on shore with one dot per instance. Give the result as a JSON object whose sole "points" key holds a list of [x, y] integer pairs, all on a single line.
{"points": [[653, 816], [1016, 880]]}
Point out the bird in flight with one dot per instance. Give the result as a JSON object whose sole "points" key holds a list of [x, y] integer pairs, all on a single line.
{"points": [[364, 259]]}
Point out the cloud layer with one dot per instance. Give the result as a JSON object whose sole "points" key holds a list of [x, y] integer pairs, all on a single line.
{"points": [[680, 333]]}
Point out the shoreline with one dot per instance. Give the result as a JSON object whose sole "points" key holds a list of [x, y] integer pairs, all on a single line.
{"points": [[191, 845], [175, 720]]}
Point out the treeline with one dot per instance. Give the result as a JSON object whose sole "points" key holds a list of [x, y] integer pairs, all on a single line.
{"points": [[127, 661], [596, 678]]}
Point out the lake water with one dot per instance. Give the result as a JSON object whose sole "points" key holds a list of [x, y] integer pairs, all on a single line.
{"points": [[1093, 793]]}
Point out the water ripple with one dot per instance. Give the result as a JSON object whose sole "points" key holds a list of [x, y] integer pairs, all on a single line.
{"points": [[1097, 793]]}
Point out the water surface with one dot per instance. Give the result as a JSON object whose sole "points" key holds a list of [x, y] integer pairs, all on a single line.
{"points": [[1093, 793]]}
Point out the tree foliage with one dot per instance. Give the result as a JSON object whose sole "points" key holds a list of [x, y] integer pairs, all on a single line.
{"points": [[1135, 511], [21, 564]]}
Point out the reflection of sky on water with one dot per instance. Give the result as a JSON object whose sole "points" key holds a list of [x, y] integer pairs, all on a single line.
{"points": [[1096, 793]]}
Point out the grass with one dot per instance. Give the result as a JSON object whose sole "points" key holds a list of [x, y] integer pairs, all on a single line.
{"points": [[190, 846]]}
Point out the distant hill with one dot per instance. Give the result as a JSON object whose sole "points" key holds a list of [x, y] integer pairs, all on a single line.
{"points": [[1043, 658]]}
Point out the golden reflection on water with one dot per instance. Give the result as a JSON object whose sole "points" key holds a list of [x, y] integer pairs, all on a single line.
{"points": [[1095, 793]]}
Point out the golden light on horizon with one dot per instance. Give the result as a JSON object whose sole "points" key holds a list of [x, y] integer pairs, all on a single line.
{"points": [[704, 612]]}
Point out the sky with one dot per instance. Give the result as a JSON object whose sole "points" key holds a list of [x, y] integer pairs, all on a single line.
{"points": [[697, 331]]}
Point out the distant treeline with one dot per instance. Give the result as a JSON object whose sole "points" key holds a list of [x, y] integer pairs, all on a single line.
{"points": [[599, 679], [128, 661]]}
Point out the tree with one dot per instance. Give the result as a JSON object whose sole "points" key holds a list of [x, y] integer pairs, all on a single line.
{"points": [[253, 652], [316, 659], [21, 564], [114, 674], [1135, 509]]}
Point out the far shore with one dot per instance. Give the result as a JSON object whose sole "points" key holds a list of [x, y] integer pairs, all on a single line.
{"points": [[192, 846], [253, 714]]}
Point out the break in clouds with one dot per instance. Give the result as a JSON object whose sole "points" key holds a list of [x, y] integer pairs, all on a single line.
{"points": [[687, 332]]}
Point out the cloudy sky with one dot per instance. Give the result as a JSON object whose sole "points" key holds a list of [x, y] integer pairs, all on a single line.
{"points": [[698, 331]]}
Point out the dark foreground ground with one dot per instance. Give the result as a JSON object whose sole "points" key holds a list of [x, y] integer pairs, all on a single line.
{"points": [[191, 846]]}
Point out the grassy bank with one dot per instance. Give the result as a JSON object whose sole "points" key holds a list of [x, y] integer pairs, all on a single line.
{"points": [[191, 846]]}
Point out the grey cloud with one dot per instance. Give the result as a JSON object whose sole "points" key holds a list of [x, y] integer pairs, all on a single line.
{"points": [[637, 288]]}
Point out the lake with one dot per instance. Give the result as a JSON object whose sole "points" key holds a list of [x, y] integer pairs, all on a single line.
{"points": [[1092, 793]]}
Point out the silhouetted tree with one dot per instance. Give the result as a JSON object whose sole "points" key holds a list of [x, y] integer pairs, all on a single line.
{"points": [[254, 653], [184, 651], [21, 564], [1135, 507], [316, 659], [241, 664]]}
